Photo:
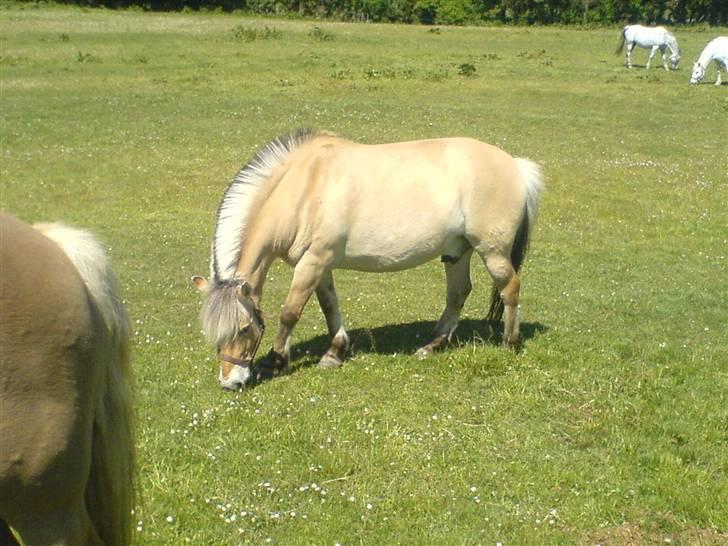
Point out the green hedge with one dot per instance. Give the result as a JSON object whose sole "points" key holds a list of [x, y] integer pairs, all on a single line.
{"points": [[458, 12]]}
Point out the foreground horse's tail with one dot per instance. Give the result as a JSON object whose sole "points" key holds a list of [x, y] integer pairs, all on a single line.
{"points": [[110, 490], [622, 39], [533, 180]]}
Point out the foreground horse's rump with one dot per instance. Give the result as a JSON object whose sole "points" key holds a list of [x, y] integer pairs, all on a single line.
{"points": [[66, 454], [320, 202]]}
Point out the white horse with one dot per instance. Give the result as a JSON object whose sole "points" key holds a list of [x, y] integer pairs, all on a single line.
{"points": [[716, 50], [649, 37]]}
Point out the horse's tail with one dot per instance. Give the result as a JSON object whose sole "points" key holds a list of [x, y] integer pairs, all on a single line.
{"points": [[622, 38], [533, 180], [110, 489]]}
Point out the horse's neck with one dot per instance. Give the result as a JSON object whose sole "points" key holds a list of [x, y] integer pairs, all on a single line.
{"points": [[671, 43], [262, 244], [253, 267], [706, 56]]}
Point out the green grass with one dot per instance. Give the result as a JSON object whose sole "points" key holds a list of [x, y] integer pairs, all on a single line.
{"points": [[610, 426]]}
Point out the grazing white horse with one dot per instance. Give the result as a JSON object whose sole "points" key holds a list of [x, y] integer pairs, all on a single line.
{"points": [[649, 37], [716, 50]]}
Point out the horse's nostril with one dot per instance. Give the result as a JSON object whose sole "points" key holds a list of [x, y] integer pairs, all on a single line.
{"points": [[232, 385]]}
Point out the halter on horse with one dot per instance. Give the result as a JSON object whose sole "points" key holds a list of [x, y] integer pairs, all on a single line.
{"points": [[320, 203]]}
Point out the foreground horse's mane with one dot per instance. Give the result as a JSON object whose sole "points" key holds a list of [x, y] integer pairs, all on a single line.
{"points": [[222, 313], [234, 209]]}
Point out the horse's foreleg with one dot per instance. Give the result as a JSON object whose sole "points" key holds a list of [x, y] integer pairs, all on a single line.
{"points": [[458, 289], [664, 61], [508, 285], [652, 54], [306, 277], [717, 69], [329, 302], [628, 55]]}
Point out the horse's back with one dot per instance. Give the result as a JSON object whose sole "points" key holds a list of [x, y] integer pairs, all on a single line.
{"points": [[717, 49], [48, 344], [394, 206], [646, 36]]}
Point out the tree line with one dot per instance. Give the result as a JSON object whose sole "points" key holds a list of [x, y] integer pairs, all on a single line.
{"points": [[459, 12]]}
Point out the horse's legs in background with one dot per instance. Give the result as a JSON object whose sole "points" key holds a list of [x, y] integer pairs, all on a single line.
{"points": [[6, 535], [652, 54], [329, 302], [508, 285], [306, 277], [718, 67], [628, 55], [458, 289], [663, 50]]}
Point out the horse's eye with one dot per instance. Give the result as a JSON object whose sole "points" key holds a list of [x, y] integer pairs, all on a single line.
{"points": [[244, 329]]}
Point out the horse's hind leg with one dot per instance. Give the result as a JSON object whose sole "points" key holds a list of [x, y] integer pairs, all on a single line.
{"points": [[508, 285], [628, 55], [329, 302], [458, 289], [68, 525]]}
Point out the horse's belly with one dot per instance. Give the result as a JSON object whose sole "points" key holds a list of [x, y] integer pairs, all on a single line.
{"points": [[380, 254]]}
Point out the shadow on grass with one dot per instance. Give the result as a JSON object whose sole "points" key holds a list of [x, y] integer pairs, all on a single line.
{"points": [[405, 339]]}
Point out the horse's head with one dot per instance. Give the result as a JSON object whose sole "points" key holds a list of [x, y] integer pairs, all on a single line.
{"points": [[674, 59], [698, 73], [232, 320]]}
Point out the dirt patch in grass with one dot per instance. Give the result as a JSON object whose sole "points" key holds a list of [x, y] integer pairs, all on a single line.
{"points": [[630, 534]]}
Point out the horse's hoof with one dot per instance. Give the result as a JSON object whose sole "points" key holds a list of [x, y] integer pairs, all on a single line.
{"points": [[266, 374], [328, 362], [423, 353]]}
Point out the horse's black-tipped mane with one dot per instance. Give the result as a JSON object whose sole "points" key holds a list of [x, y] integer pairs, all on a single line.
{"points": [[234, 209]]}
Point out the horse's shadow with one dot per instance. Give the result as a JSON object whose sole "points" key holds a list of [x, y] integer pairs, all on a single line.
{"points": [[405, 338]]}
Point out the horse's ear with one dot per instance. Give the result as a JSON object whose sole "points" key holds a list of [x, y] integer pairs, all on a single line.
{"points": [[200, 282], [243, 290]]}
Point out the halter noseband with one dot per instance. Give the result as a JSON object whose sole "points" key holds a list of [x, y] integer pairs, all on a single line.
{"points": [[242, 362]]}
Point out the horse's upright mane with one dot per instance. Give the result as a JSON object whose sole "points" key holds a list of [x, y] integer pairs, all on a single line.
{"points": [[233, 212]]}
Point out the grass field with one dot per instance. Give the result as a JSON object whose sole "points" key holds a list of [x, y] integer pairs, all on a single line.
{"points": [[609, 427]]}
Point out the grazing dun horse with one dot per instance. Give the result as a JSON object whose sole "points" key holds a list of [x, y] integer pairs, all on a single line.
{"points": [[653, 38], [716, 50], [66, 451], [321, 202]]}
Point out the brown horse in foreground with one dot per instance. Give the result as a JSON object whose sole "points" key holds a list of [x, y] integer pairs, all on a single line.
{"points": [[66, 450], [320, 202]]}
